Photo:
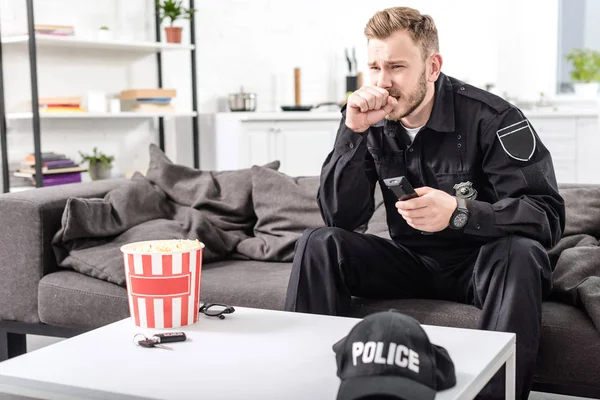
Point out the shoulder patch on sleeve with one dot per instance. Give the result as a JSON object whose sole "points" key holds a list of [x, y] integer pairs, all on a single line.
{"points": [[517, 139], [487, 98]]}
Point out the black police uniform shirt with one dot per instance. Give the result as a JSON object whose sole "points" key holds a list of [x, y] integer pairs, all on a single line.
{"points": [[471, 136]]}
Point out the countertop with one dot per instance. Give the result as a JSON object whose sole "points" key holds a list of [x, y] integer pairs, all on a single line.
{"points": [[335, 116]]}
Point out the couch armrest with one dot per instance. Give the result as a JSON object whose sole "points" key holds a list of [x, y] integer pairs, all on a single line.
{"points": [[28, 222]]}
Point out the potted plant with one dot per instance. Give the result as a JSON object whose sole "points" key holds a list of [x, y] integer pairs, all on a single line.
{"points": [[586, 71], [104, 33], [173, 10], [100, 165]]}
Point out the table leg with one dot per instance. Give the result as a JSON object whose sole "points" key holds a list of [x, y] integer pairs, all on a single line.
{"points": [[511, 370]]}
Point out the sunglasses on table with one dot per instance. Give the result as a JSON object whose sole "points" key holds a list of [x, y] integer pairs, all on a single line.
{"points": [[216, 310]]}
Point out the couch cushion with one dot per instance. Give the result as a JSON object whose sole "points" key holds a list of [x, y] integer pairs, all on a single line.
{"points": [[71, 299], [569, 347], [68, 298], [246, 283]]}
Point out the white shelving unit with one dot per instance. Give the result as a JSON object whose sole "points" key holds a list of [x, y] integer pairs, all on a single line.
{"points": [[84, 115], [32, 42], [117, 45], [43, 41]]}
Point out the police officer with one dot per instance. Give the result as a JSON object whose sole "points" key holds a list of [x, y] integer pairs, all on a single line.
{"points": [[488, 205]]}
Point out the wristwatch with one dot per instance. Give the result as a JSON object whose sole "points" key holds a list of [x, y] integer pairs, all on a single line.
{"points": [[460, 216]]}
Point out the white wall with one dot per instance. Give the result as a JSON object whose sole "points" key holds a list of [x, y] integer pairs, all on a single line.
{"points": [[527, 47], [256, 44]]}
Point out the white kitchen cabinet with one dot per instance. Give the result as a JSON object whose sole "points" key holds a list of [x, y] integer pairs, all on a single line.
{"points": [[559, 137], [587, 156], [257, 144], [574, 144], [303, 147], [300, 141]]}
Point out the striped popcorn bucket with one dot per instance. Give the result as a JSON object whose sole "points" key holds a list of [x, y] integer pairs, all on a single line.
{"points": [[163, 287]]}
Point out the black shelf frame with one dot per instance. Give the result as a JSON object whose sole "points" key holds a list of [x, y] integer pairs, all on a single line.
{"points": [[37, 142]]}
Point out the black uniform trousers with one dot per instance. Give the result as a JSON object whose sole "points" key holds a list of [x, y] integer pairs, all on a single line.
{"points": [[507, 279]]}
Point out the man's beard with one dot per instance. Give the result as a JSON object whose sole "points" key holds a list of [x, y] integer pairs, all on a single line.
{"points": [[413, 99]]}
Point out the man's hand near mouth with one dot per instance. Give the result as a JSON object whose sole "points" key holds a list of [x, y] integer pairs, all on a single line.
{"points": [[367, 106]]}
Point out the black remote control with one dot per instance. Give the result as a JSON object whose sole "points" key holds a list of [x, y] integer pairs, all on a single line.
{"points": [[401, 187]]}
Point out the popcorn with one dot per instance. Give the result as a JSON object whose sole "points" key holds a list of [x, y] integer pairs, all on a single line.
{"points": [[163, 282], [166, 246]]}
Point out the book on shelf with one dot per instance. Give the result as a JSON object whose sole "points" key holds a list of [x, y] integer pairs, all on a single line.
{"points": [[51, 163], [54, 180], [147, 107], [61, 100], [54, 30], [50, 171], [148, 100], [60, 104], [58, 164], [46, 156], [134, 94], [50, 109]]}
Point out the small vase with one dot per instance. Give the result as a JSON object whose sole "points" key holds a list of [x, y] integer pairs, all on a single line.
{"points": [[103, 35], [173, 34], [100, 171], [587, 90]]}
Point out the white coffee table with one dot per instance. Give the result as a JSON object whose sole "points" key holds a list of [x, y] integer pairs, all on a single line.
{"points": [[252, 354]]}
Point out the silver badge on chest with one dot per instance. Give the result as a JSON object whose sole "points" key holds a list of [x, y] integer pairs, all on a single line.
{"points": [[465, 190]]}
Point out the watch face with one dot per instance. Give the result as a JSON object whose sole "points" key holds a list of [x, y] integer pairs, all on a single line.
{"points": [[460, 220]]}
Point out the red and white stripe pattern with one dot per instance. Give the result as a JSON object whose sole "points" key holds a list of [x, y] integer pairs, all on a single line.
{"points": [[164, 289]]}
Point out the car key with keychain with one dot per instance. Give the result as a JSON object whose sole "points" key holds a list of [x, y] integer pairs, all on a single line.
{"points": [[160, 338]]}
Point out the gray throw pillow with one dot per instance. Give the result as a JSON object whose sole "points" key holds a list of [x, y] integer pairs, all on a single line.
{"points": [[285, 207], [223, 196]]}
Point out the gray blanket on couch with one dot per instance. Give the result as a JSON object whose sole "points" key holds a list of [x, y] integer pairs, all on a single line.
{"points": [[576, 278], [256, 213]]}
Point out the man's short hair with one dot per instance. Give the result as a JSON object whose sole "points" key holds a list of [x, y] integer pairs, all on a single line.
{"points": [[420, 27]]}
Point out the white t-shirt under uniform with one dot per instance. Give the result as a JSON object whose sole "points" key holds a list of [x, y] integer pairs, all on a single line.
{"points": [[412, 132]]}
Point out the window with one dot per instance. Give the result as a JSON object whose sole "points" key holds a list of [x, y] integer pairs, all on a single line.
{"points": [[578, 27]]}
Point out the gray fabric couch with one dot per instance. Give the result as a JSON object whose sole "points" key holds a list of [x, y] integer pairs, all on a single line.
{"points": [[38, 297]]}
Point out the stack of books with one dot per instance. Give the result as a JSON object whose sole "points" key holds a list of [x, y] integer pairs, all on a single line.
{"points": [[147, 100], [54, 30], [60, 104], [57, 169]]}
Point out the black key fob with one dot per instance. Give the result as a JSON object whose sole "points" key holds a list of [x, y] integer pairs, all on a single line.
{"points": [[170, 337]]}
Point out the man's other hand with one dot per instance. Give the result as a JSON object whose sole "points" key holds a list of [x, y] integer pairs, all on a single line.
{"points": [[367, 106], [430, 212]]}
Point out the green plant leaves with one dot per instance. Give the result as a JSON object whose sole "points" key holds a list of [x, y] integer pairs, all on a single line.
{"points": [[173, 10], [586, 65], [97, 157]]}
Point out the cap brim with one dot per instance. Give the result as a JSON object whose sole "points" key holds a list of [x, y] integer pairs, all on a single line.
{"points": [[395, 386]]}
